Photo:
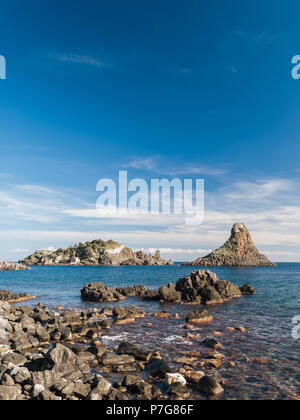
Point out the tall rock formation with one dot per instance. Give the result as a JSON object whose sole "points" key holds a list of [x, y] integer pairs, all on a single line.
{"points": [[239, 250], [97, 252]]}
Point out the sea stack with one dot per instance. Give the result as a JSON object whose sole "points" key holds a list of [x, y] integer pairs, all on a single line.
{"points": [[239, 250]]}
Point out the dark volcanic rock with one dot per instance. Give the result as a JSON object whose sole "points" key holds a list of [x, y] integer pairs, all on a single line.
{"points": [[204, 287], [137, 290], [98, 292], [66, 368], [169, 293], [10, 297], [247, 290], [239, 250], [124, 315], [199, 317], [132, 350], [209, 386], [158, 368]]}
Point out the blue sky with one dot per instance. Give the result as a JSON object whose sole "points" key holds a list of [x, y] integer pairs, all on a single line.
{"points": [[197, 89]]}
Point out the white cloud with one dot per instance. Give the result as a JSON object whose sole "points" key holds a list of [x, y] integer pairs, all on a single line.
{"points": [[160, 165], [20, 250], [270, 208], [177, 251], [147, 163], [78, 59]]}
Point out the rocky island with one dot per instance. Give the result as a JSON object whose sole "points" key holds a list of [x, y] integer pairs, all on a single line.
{"points": [[201, 287], [238, 250], [10, 266], [95, 253]]}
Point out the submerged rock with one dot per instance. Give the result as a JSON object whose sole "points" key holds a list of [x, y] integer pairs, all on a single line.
{"points": [[209, 386], [239, 250]]}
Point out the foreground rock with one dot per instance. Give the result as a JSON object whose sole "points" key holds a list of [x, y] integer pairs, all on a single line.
{"points": [[97, 252], [209, 386], [50, 356], [239, 250], [10, 266], [10, 297]]}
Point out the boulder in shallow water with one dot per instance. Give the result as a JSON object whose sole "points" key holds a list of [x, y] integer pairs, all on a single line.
{"points": [[247, 289], [158, 368], [199, 318], [209, 386]]}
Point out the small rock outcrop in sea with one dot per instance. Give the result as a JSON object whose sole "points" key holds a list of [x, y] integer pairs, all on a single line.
{"points": [[97, 252], [10, 297], [10, 266], [239, 250], [247, 290], [98, 292], [204, 287], [200, 287]]}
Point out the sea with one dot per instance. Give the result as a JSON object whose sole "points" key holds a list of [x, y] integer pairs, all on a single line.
{"points": [[263, 363]]}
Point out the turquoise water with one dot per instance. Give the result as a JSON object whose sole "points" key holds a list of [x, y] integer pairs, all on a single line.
{"points": [[267, 316]]}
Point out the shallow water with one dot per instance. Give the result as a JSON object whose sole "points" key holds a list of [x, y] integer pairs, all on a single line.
{"points": [[267, 316]]}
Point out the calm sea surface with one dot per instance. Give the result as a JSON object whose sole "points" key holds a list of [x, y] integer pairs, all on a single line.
{"points": [[267, 316]]}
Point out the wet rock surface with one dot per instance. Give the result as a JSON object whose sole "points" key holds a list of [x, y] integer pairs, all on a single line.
{"points": [[199, 318], [86, 355]]}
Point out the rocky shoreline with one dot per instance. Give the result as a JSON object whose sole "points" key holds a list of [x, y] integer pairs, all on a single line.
{"points": [[52, 354]]}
